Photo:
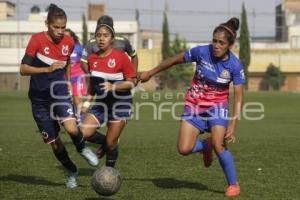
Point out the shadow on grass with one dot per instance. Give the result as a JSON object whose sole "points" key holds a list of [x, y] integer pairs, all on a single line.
{"points": [[171, 183], [99, 198], [29, 180], [82, 171]]}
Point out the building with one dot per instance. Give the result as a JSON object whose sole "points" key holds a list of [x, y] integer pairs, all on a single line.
{"points": [[7, 9]]}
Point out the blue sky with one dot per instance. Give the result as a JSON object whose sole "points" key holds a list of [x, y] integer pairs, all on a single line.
{"points": [[191, 19]]}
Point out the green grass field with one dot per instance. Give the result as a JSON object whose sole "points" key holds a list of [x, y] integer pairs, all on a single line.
{"points": [[149, 163]]}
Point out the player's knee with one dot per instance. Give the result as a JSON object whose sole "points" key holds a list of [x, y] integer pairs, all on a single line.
{"points": [[72, 130], [184, 150], [56, 145], [218, 147], [111, 144]]}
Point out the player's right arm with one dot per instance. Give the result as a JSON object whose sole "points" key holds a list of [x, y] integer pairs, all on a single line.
{"points": [[164, 65], [26, 69]]}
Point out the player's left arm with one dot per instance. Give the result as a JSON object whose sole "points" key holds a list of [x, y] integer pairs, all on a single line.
{"points": [[132, 53], [239, 79], [237, 107], [135, 62]]}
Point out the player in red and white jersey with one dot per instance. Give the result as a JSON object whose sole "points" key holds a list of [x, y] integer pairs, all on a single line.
{"points": [[112, 78], [46, 60]]}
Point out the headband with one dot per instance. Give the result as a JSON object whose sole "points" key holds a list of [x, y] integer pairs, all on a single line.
{"points": [[228, 29], [109, 27]]}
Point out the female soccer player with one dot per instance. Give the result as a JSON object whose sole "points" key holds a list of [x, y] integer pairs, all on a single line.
{"points": [[78, 80], [112, 78], [46, 61], [206, 105]]}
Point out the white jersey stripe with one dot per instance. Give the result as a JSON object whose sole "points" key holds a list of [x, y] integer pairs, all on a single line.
{"points": [[48, 60], [108, 76]]}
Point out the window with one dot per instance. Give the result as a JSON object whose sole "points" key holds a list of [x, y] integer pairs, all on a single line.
{"points": [[4, 40], [11, 40], [295, 42]]}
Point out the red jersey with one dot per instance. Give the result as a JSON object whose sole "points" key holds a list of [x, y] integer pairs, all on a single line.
{"points": [[114, 67], [44, 53]]}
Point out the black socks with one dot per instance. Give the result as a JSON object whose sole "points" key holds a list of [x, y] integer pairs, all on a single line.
{"points": [[63, 157]]}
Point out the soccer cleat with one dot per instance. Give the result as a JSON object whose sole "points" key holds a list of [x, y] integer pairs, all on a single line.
{"points": [[89, 156], [207, 152], [71, 180], [100, 152], [233, 190]]}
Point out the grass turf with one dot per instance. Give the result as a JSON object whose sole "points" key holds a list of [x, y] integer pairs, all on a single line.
{"points": [[266, 156]]}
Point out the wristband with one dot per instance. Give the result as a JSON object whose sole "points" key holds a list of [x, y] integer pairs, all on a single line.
{"points": [[86, 104]]}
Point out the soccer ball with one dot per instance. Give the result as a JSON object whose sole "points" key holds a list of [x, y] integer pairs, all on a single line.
{"points": [[106, 181]]}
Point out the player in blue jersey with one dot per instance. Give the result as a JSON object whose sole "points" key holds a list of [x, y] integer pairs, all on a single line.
{"points": [[46, 60], [78, 79], [206, 104], [112, 78]]}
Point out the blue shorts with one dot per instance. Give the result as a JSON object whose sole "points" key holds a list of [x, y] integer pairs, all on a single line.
{"points": [[109, 113], [204, 121], [47, 116]]}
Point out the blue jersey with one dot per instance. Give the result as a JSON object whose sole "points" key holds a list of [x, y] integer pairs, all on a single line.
{"points": [[210, 84], [76, 54]]}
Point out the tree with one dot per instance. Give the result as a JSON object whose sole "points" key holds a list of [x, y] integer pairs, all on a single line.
{"points": [[244, 52], [166, 38], [274, 77], [84, 31]]}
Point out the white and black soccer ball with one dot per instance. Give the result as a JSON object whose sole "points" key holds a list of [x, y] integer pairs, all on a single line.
{"points": [[106, 181]]}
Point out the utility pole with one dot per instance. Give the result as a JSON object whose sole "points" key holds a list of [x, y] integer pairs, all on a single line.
{"points": [[19, 46]]}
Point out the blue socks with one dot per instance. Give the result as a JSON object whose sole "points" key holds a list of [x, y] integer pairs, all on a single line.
{"points": [[227, 163], [199, 146]]}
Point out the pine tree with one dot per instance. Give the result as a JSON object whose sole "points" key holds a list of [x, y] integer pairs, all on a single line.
{"points": [[84, 31], [244, 52], [166, 38]]}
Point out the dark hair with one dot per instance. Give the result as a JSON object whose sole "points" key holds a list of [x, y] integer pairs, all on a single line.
{"points": [[73, 35], [105, 19], [55, 12], [230, 28]]}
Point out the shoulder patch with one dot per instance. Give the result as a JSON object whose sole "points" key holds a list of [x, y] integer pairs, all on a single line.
{"points": [[119, 38]]}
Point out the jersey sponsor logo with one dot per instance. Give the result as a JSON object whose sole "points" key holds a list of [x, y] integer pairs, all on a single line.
{"points": [[222, 80], [207, 65], [46, 50], [242, 74], [70, 111], [225, 74], [65, 50], [111, 63], [95, 64]]}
